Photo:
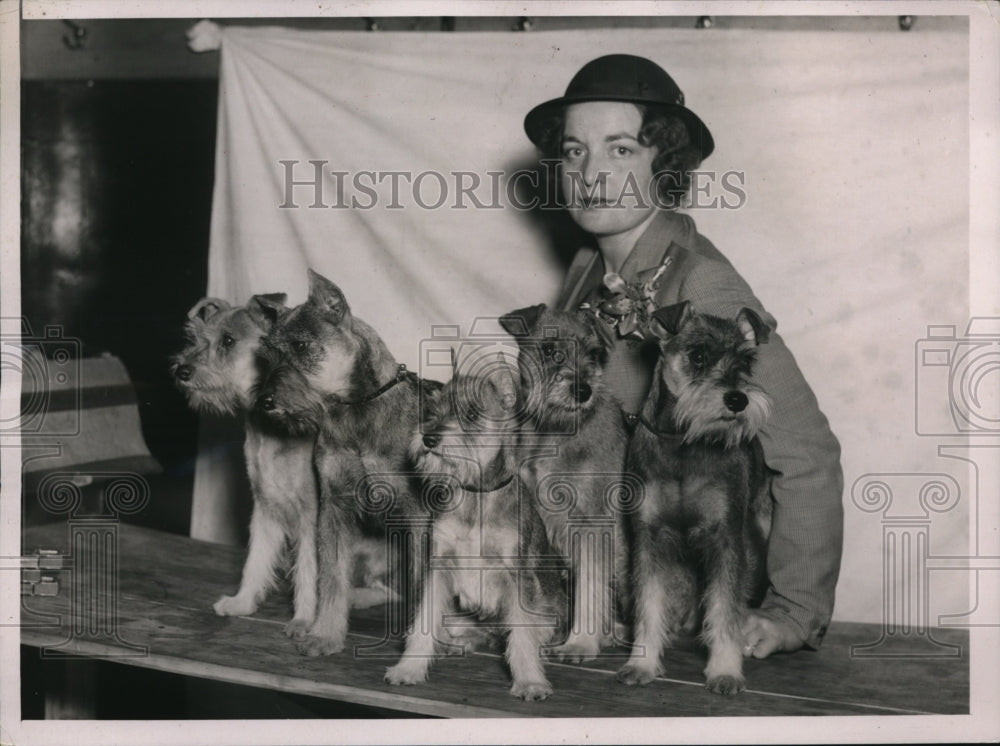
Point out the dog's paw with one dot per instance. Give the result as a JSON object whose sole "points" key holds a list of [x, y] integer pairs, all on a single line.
{"points": [[314, 646], [726, 684], [633, 675], [531, 691], [577, 650], [234, 606], [297, 628], [406, 673]]}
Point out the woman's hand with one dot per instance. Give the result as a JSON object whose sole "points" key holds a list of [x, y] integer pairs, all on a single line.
{"points": [[766, 632]]}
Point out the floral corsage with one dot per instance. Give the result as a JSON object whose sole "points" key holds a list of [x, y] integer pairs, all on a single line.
{"points": [[626, 306]]}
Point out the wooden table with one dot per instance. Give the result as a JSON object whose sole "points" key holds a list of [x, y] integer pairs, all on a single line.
{"points": [[167, 585]]}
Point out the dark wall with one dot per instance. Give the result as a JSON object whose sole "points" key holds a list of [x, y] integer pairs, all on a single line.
{"points": [[117, 187]]}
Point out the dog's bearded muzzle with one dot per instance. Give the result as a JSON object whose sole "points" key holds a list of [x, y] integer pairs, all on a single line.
{"points": [[286, 398]]}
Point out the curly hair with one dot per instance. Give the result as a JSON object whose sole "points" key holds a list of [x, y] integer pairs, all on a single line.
{"points": [[676, 156]]}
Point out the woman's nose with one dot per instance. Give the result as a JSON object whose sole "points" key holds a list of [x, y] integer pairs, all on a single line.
{"points": [[591, 170]]}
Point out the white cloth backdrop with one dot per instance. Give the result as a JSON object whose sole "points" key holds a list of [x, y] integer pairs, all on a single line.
{"points": [[854, 233]]}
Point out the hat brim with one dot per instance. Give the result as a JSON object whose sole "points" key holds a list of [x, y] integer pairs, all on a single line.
{"points": [[534, 122]]}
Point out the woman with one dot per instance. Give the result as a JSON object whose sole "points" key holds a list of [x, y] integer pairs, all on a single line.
{"points": [[627, 144]]}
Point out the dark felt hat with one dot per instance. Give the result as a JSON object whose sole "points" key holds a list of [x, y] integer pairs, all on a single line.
{"points": [[622, 77]]}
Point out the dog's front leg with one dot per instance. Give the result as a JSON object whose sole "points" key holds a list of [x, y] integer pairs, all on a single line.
{"points": [[724, 609], [525, 640], [305, 576], [426, 630], [336, 535], [266, 538]]}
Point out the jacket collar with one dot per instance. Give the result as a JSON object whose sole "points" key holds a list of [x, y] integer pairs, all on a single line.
{"points": [[653, 245], [649, 251]]}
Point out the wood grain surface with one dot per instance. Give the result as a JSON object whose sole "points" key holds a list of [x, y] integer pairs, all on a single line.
{"points": [[164, 620]]}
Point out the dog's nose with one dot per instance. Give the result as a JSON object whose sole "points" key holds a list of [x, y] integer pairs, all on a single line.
{"points": [[266, 401], [184, 372], [735, 401], [584, 392], [431, 440]]}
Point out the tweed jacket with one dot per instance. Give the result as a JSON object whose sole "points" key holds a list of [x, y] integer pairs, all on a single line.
{"points": [[804, 549]]}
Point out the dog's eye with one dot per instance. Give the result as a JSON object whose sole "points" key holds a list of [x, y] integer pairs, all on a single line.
{"points": [[228, 341], [473, 415], [696, 358], [548, 348], [300, 345]]}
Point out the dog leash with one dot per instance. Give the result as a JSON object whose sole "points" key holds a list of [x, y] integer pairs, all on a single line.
{"points": [[481, 491], [402, 374]]}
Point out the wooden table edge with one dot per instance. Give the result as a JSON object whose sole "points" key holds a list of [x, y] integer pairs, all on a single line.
{"points": [[275, 682]]}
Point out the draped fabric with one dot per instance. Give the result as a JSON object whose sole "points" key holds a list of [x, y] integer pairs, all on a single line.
{"points": [[839, 188]]}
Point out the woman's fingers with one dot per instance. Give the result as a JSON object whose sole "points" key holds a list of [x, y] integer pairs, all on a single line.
{"points": [[763, 636]]}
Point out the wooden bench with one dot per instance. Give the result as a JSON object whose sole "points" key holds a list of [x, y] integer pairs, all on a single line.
{"points": [[164, 620]]}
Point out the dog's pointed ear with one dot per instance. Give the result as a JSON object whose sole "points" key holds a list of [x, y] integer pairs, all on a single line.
{"points": [[327, 297], [206, 308], [265, 308], [666, 322], [505, 383], [604, 332], [753, 327], [519, 323]]}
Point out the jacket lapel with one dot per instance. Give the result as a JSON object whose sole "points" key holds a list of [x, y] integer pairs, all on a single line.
{"points": [[657, 243]]}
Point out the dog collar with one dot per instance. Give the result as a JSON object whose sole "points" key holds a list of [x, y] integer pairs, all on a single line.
{"points": [[480, 490], [666, 435]]}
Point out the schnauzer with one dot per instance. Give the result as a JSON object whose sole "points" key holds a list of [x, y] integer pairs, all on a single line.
{"points": [[218, 372], [489, 545], [580, 440], [330, 375], [705, 517]]}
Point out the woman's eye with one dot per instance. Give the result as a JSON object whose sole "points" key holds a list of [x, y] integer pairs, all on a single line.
{"points": [[572, 153], [623, 151], [228, 341]]}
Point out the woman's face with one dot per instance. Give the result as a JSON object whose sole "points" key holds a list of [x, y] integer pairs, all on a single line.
{"points": [[606, 175]]}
